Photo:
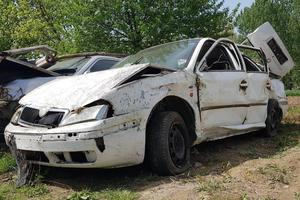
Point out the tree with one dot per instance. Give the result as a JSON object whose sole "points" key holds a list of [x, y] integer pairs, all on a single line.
{"points": [[130, 26], [33, 22], [284, 15], [115, 26]]}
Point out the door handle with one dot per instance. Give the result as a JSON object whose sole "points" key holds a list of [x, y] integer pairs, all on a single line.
{"points": [[243, 85], [268, 85]]}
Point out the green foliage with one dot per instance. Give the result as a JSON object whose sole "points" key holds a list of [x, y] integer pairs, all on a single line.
{"points": [[115, 26], [7, 162], [133, 25], [284, 16], [293, 92]]}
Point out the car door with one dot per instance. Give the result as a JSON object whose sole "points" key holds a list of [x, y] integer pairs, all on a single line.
{"points": [[259, 85], [221, 84]]}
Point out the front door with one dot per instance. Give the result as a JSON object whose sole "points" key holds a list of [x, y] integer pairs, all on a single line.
{"points": [[222, 85]]}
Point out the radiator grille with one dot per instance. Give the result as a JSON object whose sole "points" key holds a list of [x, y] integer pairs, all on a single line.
{"points": [[50, 119]]}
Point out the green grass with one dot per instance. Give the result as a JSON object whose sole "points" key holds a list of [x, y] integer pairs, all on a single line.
{"points": [[210, 186], [8, 191], [244, 196], [293, 92], [82, 195], [275, 173], [297, 195], [107, 194], [294, 110], [7, 162]]}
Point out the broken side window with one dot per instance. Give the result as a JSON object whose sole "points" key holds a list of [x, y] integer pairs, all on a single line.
{"points": [[220, 59], [253, 59]]}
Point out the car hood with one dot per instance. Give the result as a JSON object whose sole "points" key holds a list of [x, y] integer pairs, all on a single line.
{"points": [[76, 91]]}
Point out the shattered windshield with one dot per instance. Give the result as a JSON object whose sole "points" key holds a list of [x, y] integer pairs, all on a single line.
{"points": [[69, 66], [175, 55]]}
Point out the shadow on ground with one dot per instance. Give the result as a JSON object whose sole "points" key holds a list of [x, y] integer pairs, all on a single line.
{"points": [[213, 157]]}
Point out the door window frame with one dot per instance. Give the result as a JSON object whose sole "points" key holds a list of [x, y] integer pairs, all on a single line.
{"points": [[240, 60], [263, 57]]}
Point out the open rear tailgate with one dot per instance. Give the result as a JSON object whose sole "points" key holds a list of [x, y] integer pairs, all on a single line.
{"points": [[278, 58], [12, 69]]}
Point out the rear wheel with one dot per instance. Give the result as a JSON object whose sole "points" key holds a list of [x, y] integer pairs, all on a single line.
{"points": [[273, 119], [168, 146]]}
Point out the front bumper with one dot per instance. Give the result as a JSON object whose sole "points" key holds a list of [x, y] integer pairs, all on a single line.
{"points": [[115, 142]]}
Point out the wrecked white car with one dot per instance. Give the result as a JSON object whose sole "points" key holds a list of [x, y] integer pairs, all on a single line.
{"points": [[153, 106]]}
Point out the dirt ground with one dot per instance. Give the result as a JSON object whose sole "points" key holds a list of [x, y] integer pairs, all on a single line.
{"points": [[243, 167]]}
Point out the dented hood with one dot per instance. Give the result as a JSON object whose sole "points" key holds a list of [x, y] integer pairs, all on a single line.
{"points": [[76, 91]]}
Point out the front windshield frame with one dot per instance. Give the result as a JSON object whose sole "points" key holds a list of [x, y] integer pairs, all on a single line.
{"points": [[142, 58]]}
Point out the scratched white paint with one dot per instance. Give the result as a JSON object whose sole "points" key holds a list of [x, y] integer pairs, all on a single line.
{"points": [[74, 91]]}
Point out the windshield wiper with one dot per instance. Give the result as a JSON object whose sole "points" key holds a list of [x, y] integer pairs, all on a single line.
{"points": [[137, 61]]}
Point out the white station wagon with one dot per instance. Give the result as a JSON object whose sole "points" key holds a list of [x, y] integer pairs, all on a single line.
{"points": [[155, 105]]}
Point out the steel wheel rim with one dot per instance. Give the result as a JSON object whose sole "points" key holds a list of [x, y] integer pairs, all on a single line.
{"points": [[177, 146]]}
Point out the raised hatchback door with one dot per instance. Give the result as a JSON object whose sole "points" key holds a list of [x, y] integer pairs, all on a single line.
{"points": [[278, 58]]}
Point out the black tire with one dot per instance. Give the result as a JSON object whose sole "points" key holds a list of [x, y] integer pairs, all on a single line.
{"points": [[168, 145], [274, 117]]}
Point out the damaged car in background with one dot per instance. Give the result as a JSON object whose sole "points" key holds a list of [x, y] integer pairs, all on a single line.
{"points": [[153, 106], [18, 75]]}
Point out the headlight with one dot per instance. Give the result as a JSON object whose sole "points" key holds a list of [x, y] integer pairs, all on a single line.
{"points": [[15, 118], [86, 115]]}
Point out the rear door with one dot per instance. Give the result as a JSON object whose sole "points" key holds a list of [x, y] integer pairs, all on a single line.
{"points": [[259, 84], [278, 58]]}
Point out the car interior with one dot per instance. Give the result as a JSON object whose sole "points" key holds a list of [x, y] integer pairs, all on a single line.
{"points": [[218, 59]]}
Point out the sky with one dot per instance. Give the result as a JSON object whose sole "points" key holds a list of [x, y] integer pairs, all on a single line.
{"points": [[232, 3]]}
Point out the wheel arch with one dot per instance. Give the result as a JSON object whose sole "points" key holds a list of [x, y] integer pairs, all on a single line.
{"points": [[180, 105]]}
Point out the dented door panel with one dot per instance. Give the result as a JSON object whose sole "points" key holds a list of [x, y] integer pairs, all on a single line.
{"points": [[257, 94], [225, 105]]}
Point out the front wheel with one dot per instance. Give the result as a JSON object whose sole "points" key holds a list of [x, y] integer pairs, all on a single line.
{"points": [[168, 146]]}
